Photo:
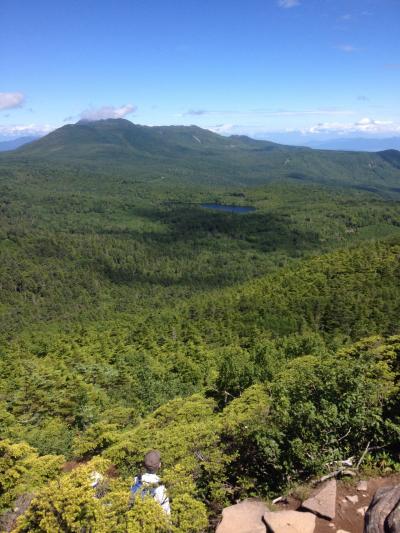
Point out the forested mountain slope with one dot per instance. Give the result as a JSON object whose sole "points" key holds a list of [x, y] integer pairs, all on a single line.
{"points": [[192, 154]]}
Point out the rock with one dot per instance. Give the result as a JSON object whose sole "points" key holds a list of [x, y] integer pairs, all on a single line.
{"points": [[244, 517], [323, 503], [362, 486], [352, 499], [362, 510], [8, 520], [349, 473], [290, 522], [383, 514], [342, 531]]}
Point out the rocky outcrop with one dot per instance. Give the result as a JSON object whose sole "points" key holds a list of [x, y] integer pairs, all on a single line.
{"points": [[383, 514], [244, 517], [323, 502], [290, 522]]}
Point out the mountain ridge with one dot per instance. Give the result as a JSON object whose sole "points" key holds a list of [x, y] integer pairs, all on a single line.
{"points": [[194, 153]]}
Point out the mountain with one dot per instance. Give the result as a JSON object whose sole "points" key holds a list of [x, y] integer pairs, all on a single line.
{"points": [[360, 144], [190, 153], [123, 139], [15, 143]]}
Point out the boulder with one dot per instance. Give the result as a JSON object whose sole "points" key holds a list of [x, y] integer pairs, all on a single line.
{"points": [[323, 503], [244, 517], [383, 514], [290, 522]]}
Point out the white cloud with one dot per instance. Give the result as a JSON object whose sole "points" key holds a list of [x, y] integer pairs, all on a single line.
{"points": [[348, 48], [14, 130], [11, 100], [365, 125], [225, 129], [99, 113], [288, 3]]}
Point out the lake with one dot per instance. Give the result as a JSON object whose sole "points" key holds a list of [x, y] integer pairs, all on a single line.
{"points": [[230, 208]]}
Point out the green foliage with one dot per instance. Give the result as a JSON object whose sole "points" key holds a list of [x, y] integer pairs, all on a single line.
{"points": [[67, 504], [188, 515], [95, 439], [22, 470], [187, 432], [316, 410]]}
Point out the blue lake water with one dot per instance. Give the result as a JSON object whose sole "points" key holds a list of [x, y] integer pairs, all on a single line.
{"points": [[230, 208]]}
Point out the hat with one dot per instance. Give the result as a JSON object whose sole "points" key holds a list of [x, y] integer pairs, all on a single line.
{"points": [[152, 460]]}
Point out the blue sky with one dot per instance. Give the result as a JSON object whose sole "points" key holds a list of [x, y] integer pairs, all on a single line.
{"points": [[266, 68]]}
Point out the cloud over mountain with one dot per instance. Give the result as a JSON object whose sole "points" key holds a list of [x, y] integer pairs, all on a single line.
{"points": [[364, 125], [99, 113], [14, 130]]}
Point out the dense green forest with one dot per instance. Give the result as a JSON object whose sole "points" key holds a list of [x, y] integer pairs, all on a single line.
{"points": [[252, 350]]}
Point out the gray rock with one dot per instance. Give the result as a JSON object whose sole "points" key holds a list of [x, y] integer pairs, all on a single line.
{"points": [[323, 503], [290, 522], [244, 517], [383, 514]]}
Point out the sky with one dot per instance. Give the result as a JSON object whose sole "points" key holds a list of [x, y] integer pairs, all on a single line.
{"points": [[278, 69]]}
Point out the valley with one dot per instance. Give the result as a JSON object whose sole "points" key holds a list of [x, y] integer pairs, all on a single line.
{"points": [[238, 315]]}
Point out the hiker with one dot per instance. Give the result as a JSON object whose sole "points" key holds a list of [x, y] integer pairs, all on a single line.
{"points": [[148, 484]]}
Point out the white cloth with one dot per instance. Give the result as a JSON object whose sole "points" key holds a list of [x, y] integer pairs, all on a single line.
{"points": [[160, 491]]}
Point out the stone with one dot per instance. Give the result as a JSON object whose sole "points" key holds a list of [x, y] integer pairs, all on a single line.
{"points": [[244, 517], [342, 531], [362, 486], [352, 499], [383, 514], [290, 522], [362, 510], [323, 503]]}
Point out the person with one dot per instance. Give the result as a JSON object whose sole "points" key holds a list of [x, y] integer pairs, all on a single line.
{"points": [[149, 483]]}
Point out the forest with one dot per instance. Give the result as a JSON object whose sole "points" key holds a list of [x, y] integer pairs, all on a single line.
{"points": [[252, 350]]}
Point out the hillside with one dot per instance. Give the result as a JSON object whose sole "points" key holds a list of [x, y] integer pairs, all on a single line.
{"points": [[254, 350], [192, 154]]}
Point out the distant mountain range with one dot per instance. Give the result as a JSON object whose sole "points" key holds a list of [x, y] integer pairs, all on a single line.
{"points": [[360, 144], [190, 153], [15, 143]]}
